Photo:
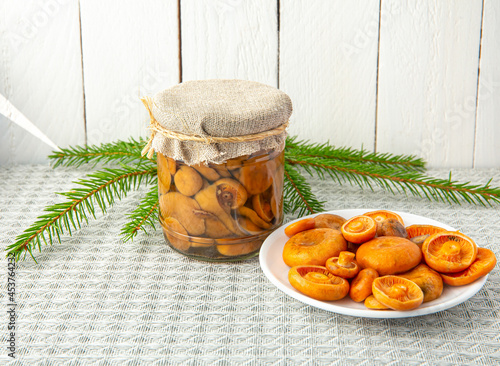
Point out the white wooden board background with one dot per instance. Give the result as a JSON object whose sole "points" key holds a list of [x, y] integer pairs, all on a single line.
{"points": [[404, 77]]}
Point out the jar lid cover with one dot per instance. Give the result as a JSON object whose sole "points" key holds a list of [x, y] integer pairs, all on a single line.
{"points": [[215, 120]]}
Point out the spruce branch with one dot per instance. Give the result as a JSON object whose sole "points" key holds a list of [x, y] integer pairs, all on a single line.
{"points": [[298, 196], [101, 187], [326, 151], [444, 190], [146, 214], [124, 152], [394, 173]]}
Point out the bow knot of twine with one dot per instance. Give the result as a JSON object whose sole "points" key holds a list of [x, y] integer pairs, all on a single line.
{"points": [[156, 127]]}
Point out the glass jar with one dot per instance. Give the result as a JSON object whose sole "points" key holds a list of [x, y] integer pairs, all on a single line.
{"points": [[221, 212]]}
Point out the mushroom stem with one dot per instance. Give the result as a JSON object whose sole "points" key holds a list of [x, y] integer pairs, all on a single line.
{"points": [[207, 199], [345, 259]]}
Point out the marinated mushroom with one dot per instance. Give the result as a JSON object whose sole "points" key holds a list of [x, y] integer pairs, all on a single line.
{"points": [[429, 281], [419, 240], [248, 226], [230, 193], [162, 188], [209, 201], [313, 247], [185, 210], [235, 163], [391, 227], [419, 233], [207, 172], [372, 303], [176, 234], [300, 225], [206, 183], [484, 263], [389, 255], [262, 207], [257, 176], [414, 231], [359, 229], [397, 293], [222, 170], [200, 242], [361, 286], [172, 166], [231, 249], [329, 220], [187, 180], [318, 283], [343, 266], [252, 215], [381, 215], [215, 228], [449, 252], [164, 176]]}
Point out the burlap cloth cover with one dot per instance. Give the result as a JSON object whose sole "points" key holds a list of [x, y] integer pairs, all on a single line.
{"points": [[211, 121]]}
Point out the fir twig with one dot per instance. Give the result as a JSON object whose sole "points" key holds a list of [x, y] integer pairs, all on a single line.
{"points": [[394, 173], [326, 151], [101, 187], [124, 152], [146, 214], [298, 196], [444, 190]]}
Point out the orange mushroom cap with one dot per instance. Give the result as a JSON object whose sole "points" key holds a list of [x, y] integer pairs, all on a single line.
{"points": [[298, 226], [483, 264], [318, 283], [359, 229], [449, 252], [397, 293]]}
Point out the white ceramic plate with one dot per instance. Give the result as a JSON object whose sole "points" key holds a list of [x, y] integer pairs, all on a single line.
{"points": [[271, 262]]}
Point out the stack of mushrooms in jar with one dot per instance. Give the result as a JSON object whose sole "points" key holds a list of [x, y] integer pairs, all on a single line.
{"points": [[219, 147], [373, 258]]}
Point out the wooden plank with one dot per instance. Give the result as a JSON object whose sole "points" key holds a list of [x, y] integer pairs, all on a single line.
{"points": [[231, 39], [487, 151], [40, 74], [328, 66], [428, 70], [130, 49]]}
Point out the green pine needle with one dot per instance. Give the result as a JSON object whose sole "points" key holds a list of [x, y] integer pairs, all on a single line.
{"points": [[394, 173], [124, 152], [400, 181], [101, 188], [326, 151], [146, 214], [298, 196]]}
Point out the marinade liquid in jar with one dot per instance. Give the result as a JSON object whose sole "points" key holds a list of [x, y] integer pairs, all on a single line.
{"points": [[219, 147], [221, 211]]}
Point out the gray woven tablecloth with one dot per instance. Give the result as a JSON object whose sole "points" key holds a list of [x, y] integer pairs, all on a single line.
{"points": [[95, 300]]}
